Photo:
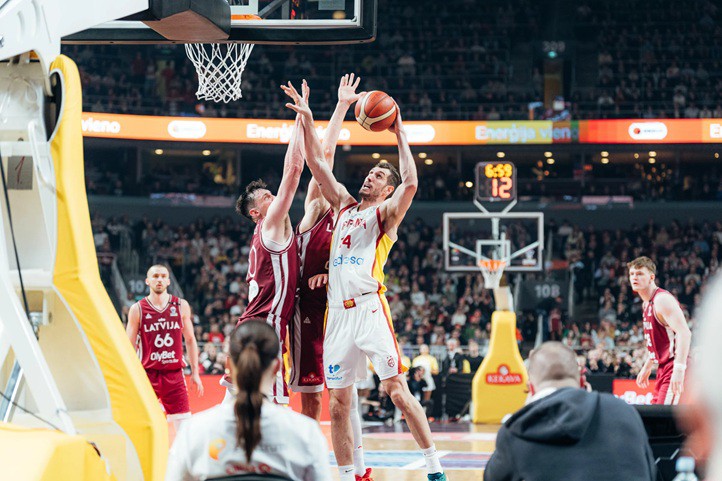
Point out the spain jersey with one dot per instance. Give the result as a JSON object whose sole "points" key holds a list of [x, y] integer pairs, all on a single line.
{"points": [[359, 249]]}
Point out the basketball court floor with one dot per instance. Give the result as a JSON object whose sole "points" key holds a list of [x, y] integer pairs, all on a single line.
{"points": [[393, 455]]}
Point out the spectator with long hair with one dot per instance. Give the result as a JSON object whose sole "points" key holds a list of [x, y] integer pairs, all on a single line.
{"points": [[253, 435]]}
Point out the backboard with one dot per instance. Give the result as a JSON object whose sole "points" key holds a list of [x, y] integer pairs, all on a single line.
{"points": [[516, 237], [281, 22]]}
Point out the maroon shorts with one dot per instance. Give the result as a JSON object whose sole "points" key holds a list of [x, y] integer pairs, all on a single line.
{"points": [[306, 333], [170, 387], [662, 390]]}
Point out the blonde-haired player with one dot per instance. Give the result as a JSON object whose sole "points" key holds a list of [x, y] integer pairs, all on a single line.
{"points": [[666, 333], [359, 320]]}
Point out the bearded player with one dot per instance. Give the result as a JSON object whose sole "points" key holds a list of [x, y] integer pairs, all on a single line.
{"points": [[314, 234], [359, 321], [157, 325], [666, 333], [273, 259]]}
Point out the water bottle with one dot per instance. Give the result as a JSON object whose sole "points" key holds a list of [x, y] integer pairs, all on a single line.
{"points": [[685, 469]]}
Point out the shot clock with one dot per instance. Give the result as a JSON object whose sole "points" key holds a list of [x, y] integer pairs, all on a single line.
{"points": [[495, 182]]}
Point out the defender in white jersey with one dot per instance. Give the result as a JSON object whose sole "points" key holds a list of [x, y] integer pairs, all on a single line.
{"points": [[359, 320]]}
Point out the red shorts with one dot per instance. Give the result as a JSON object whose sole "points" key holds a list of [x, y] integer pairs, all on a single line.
{"points": [[662, 391], [306, 343], [170, 387]]}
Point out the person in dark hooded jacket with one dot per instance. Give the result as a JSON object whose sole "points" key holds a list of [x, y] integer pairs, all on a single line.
{"points": [[566, 433]]}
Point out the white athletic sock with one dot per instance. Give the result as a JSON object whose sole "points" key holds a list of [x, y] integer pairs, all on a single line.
{"points": [[346, 473], [358, 449], [431, 456]]}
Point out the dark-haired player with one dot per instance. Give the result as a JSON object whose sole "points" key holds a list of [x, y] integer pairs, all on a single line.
{"points": [[273, 259], [359, 320]]}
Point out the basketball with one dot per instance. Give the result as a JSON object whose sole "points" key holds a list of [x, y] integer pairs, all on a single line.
{"points": [[376, 111]]}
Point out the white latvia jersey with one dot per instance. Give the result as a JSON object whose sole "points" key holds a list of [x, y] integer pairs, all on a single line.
{"points": [[359, 250]]}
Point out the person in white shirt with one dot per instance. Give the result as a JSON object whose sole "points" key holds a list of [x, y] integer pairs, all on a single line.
{"points": [[252, 435]]}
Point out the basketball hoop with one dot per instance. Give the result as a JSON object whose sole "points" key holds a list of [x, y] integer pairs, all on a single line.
{"points": [[220, 67], [492, 270]]}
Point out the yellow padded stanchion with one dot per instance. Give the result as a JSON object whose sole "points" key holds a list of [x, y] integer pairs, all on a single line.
{"points": [[500, 384], [43, 455], [77, 278]]}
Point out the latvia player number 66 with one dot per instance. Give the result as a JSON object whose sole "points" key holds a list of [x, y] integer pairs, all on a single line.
{"points": [[166, 341]]}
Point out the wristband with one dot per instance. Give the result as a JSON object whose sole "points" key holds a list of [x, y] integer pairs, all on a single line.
{"points": [[679, 365]]}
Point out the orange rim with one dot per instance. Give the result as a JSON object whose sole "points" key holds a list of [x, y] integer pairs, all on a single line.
{"points": [[492, 265]]}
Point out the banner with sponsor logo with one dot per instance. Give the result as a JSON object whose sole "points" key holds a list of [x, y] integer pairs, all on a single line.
{"points": [[668, 131], [628, 391], [270, 131], [263, 131]]}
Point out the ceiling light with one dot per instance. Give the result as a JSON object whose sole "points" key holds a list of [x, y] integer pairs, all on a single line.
{"points": [[206, 152], [422, 155], [605, 153], [469, 184], [652, 153], [636, 155], [375, 155], [501, 155], [429, 161], [550, 161], [547, 154], [652, 160], [605, 160], [716, 155], [158, 151]]}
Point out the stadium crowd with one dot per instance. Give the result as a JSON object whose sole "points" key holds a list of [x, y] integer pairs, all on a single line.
{"points": [[456, 64], [661, 62], [433, 308], [435, 72], [442, 181]]}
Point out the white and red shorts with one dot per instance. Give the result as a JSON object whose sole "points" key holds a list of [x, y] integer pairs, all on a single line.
{"points": [[355, 329]]}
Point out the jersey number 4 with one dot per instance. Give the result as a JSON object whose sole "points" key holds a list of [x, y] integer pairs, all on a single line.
{"points": [[347, 241]]}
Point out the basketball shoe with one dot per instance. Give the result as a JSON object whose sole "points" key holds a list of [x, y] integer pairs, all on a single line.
{"points": [[437, 477], [366, 476]]}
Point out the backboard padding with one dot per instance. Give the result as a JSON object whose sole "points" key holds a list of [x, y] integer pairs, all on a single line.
{"points": [[320, 27]]}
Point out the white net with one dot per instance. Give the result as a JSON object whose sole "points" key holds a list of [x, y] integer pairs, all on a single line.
{"points": [[219, 67], [492, 270]]}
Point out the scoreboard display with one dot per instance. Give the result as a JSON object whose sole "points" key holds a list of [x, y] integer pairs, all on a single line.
{"points": [[495, 182]]}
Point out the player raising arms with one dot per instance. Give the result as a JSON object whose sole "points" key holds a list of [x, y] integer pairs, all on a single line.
{"points": [[156, 327], [359, 321], [314, 242], [314, 234], [273, 259], [666, 333]]}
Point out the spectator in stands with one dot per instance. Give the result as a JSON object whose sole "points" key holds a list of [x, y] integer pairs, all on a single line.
{"points": [[454, 361], [474, 357], [431, 369], [234, 431], [564, 432]]}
